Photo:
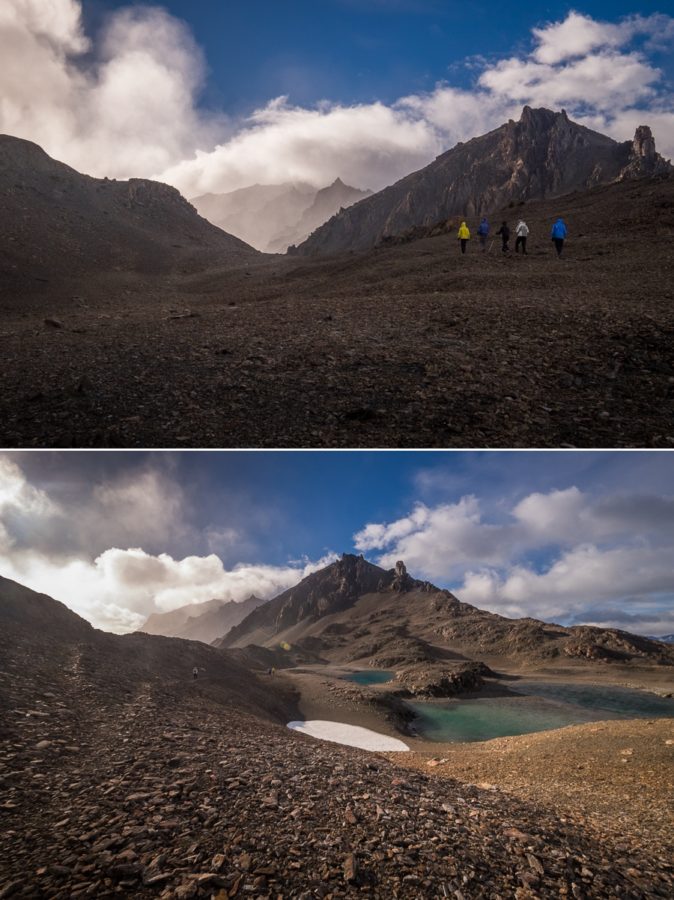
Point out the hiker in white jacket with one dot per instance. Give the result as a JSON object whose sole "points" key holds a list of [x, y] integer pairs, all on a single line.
{"points": [[521, 231]]}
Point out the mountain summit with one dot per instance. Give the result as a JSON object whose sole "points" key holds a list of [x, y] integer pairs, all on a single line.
{"points": [[542, 155]]}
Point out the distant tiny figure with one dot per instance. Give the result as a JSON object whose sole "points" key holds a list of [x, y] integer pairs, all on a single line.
{"points": [[483, 233], [464, 236], [195, 672], [558, 234], [504, 231], [522, 233]]}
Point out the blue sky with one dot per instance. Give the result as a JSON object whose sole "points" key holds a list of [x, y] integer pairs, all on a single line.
{"points": [[357, 50], [568, 537]]}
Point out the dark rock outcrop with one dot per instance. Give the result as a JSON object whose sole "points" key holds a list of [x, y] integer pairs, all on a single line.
{"points": [[437, 682], [613, 645], [542, 155], [643, 159]]}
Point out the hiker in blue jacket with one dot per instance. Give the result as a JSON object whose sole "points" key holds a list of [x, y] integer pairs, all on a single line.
{"points": [[558, 234], [483, 233]]}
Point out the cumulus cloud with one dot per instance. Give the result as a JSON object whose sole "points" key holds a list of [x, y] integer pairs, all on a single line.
{"points": [[140, 505], [578, 35], [119, 589], [125, 106], [48, 545], [128, 104], [561, 555]]}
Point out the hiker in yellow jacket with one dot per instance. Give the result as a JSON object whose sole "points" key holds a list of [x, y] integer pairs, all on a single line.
{"points": [[464, 236]]}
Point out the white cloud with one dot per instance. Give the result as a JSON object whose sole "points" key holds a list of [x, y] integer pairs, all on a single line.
{"points": [[127, 108], [578, 582], [553, 556], [120, 588], [143, 506], [127, 105], [47, 546], [578, 35], [367, 145], [557, 515], [23, 507]]}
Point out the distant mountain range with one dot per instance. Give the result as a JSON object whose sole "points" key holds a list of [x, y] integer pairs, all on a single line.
{"points": [[665, 638], [354, 610], [273, 217], [201, 621], [542, 155], [56, 221]]}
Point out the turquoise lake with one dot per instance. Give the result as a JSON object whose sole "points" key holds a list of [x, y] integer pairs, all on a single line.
{"points": [[371, 676], [539, 707]]}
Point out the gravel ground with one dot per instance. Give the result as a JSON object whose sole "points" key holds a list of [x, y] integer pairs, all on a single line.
{"points": [[183, 800], [619, 775], [405, 346]]}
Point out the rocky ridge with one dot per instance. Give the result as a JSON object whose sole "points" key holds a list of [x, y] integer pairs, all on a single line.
{"points": [[326, 203], [56, 221], [542, 155], [346, 612]]}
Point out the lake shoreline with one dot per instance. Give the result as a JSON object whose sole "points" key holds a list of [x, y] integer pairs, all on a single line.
{"points": [[325, 693]]}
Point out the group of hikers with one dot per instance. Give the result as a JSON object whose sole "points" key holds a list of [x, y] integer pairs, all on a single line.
{"points": [[557, 234]]}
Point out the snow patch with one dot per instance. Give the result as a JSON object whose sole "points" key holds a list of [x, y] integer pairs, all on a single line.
{"points": [[350, 735]]}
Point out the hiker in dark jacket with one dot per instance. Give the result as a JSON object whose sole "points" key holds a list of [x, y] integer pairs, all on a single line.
{"points": [[504, 231], [558, 234], [483, 233]]}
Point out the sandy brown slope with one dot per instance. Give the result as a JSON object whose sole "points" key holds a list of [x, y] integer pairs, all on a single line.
{"points": [[148, 787], [406, 346], [619, 775]]}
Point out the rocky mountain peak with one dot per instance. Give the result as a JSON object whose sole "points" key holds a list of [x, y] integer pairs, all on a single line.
{"points": [[642, 158], [643, 144], [402, 581], [541, 119]]}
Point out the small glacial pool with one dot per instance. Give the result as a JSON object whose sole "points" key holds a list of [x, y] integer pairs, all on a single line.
{"points": [[370, 676], [539, 707]]}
